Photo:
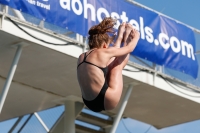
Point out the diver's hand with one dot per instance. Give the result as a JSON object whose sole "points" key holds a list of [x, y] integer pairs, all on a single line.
{"points": [[121, 31]]}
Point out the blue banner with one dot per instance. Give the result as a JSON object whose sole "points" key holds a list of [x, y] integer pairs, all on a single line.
{"points": [[163, 41]]}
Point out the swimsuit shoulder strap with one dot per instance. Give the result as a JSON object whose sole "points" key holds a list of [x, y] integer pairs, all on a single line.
{"points": [[85, 56]]}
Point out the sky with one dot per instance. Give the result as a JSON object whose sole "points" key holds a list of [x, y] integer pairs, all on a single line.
{"points": [[186, 11]]}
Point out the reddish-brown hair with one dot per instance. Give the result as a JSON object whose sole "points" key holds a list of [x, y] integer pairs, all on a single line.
{"points": [[99, 33]]}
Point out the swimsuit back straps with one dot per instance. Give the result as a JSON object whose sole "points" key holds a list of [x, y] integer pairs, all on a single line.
{"points": [[96, 104]]}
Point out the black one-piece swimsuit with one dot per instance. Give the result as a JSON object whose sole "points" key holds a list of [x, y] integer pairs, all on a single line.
{"points": [[96, 105]]}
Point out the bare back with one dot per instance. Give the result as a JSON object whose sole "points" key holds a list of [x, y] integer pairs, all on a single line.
{"points": [[91, 77]]}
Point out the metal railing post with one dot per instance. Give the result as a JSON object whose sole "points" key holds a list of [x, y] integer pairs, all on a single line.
{"points": [[122, 108], [10, 77]]}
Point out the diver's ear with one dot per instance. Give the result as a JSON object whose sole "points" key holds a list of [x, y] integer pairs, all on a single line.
{"points": [[104, 45]]}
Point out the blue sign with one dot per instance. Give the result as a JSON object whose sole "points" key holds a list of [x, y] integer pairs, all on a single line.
{"points": [[163, 41]]}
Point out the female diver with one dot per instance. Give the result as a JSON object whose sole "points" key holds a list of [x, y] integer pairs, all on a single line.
{"points": [[99, 71]]}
